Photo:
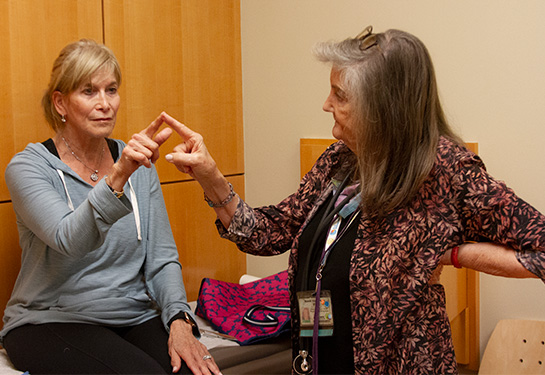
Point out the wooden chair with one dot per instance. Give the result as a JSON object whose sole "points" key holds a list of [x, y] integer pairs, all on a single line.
{"points": [[515, 347]]}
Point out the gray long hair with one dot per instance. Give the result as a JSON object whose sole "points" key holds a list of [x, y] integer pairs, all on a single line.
{"points": [[398, 115]]}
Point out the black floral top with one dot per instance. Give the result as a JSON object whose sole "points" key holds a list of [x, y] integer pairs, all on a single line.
{"points": [[399, 320]]}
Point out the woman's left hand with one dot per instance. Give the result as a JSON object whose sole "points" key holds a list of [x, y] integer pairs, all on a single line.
{"points": [[182, 345]]}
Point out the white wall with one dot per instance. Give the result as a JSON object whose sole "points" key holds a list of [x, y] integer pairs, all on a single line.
{"points": [[490, 61]]}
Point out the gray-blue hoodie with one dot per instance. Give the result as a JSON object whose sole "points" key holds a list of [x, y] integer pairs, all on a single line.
{"points": [[108, 261]]}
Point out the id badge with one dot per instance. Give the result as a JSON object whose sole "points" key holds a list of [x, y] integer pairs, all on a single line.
{"points": [[307, 300]]}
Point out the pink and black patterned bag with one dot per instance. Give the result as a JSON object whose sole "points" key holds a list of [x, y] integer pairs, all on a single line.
{"points": [[250, 312]]}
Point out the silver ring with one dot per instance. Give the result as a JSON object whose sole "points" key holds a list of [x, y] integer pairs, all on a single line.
{"points": [[208, 356]]}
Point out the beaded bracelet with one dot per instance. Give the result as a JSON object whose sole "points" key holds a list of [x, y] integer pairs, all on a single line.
{"points": [[224, 202]]}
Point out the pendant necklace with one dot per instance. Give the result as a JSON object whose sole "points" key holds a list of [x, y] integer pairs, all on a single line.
{"points": [[94, 174]]}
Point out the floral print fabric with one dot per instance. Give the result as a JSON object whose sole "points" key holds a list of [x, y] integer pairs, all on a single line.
{"points": [[399, 320]]}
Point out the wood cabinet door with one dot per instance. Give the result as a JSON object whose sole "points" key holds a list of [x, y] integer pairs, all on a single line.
{"points": [[10, 253], [182, 57], [32, 33]]}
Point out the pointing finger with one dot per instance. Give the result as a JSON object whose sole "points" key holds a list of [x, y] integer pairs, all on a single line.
{"points": [[180, 128], [162, 136], [153, 127]]}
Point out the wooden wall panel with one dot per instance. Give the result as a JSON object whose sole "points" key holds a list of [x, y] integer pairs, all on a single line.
{"points": [[146, 38], [310, 151], [10, 253], [182, 57], [32, 33], [203, 253], [6, 99], [213, 78]]}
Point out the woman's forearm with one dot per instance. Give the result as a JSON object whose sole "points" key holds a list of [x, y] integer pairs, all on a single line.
{"points": [[220, 194], [490, 258]]}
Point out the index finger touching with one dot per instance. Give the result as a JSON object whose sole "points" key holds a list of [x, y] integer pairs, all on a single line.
{"points": [[153, 127], [162, 136], [180, 128]]}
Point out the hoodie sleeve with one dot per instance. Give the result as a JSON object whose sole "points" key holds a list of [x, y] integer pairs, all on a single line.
{"points": [[41, 205], [163, 271]]}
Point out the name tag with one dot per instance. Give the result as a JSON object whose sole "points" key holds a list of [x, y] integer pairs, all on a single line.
{"points": [[307, 302]]}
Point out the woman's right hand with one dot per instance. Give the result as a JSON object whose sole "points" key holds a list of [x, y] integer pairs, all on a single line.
{"points": [[142, 149], [191, 156]]}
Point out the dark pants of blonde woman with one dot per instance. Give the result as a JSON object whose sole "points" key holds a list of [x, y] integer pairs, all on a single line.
{"points": [[73, 348]]}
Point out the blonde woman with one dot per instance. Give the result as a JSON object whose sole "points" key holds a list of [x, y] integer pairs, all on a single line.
{"points": [[100, 289]]}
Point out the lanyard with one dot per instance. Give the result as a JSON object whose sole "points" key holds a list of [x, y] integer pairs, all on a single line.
{"points": [[331, 213], [326, 219], [332, 238]]}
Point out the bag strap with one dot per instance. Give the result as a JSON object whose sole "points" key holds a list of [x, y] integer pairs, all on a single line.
{"points": [[270, 320]]}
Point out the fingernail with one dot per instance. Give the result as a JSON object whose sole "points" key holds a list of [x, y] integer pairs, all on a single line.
{"points": [[169, 157]]}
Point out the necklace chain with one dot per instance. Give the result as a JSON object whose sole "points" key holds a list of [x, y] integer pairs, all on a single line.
{"points": [[94, 174]]}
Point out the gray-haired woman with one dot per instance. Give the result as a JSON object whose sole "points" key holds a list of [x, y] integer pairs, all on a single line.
{"points": [[379, 214]]}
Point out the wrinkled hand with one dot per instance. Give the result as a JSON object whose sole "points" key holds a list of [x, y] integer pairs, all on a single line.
{"points": [[191, 156], [182, 345], [142, 149]]}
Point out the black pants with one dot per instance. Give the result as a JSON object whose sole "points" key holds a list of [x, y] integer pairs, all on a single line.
{"points": [[73, 348]]}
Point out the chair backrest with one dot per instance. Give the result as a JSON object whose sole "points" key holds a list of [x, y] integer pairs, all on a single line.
{"points": [[515, 347]]}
